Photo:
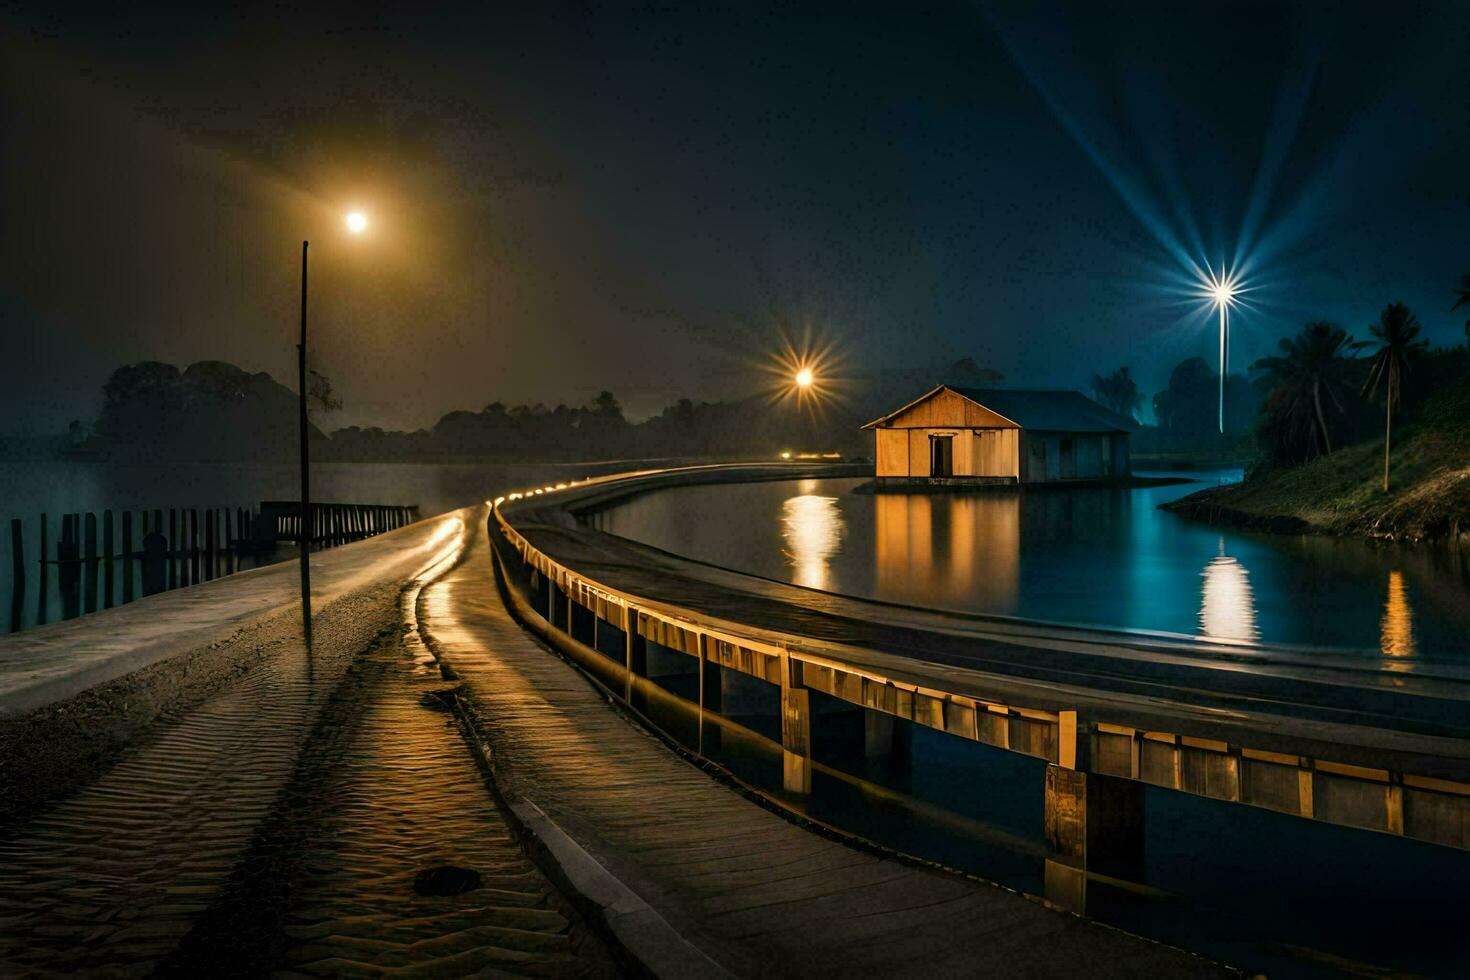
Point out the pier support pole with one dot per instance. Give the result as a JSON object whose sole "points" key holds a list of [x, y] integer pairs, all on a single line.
{"points": [[1094, 823], [796, 729]]}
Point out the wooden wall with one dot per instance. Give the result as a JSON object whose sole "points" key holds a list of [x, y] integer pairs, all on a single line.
{"points": [[983, 452]]}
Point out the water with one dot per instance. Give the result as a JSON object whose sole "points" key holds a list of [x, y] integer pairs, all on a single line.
{"points": [[1102, 557], [56, 487]]}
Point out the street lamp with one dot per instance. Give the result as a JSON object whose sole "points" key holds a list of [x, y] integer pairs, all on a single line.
{"points": [[804, 378], [356, 223], [1221, 290]]}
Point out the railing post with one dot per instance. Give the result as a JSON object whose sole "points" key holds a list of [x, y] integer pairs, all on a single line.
{"points": [[796, 728]]}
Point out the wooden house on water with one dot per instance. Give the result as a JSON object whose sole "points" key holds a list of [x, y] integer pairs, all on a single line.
{"points": [[995, 436]]}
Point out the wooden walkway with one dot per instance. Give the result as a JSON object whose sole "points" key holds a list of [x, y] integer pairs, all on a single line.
{"points": [[757, 893]]}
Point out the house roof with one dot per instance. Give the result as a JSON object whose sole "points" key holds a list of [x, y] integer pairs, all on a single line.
{"points": [[1041, 410]]}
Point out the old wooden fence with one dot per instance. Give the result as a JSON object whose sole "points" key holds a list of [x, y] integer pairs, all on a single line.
{"points": [[100, 561]]}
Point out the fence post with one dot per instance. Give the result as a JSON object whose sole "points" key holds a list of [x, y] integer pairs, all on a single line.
{"points": [[44, 578], [17, 572], [89, 570], [209, 552], [109, 574], [172, 549], [194, 555], [127, 553], [229, 517], [68, 570]]}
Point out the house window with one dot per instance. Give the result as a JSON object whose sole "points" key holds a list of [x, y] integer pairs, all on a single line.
{"points": [[941, 455]]}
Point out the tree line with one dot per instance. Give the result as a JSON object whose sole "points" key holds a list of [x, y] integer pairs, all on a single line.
{"points": [[1323, 389], [214, 410]]}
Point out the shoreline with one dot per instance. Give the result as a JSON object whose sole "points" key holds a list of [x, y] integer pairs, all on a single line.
{"points": [[1207, 507]]}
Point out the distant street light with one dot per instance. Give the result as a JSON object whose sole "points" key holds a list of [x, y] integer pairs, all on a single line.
{"points": [[357, 222], [804, 378]]}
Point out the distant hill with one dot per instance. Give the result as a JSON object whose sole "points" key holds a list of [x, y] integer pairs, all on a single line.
{"points": [[1342, 493]]}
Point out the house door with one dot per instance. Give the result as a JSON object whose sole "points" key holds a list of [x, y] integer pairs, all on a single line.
{"points": [[1036, 468], [941, 455], [1067, 458]]}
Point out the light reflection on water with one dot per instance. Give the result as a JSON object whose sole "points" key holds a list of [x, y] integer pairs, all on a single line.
{"points": [[1089, 556], [1227, 607], [1396, 631], [812, 529]]}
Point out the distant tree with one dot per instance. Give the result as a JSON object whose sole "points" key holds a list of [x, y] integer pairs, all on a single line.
{"points": [[606, 406], [1397, 332], [321, 394], [1462, 298], [1188, 408], [1307, 382], [1117, 391]]}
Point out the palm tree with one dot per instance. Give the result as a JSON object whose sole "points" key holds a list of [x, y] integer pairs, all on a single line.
{"points": [[1397, 331], [1311, 369], [1462, 298]]}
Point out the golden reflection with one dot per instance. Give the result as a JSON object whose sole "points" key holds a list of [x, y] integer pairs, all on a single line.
{"points": [[1227, 606], [1396, 630], [812, 528], [949, 550]]}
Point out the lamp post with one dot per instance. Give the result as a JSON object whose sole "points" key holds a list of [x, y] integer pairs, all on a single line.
{"points": [[356, 223], [1221, 290], [307, 524]]}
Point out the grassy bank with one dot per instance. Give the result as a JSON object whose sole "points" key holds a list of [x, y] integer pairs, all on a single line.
{"points": [[1342, 493]]}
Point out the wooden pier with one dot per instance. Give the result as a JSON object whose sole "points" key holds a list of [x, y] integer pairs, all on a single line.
{"points": [[1289, 732]]}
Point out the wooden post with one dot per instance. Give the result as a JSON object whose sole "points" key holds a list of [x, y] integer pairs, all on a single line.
{"points": [[127, 553], [43, 578], [172, 544], [68, 568], [796, 730], [209, 545], [229, 541], [1094, 823], [89, 569], [17, 573], [109, 574], [193, 546]]}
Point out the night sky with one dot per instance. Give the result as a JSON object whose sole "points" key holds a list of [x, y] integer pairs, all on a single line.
{"points": [[570, 198]]}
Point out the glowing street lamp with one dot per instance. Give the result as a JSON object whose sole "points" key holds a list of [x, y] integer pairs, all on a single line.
{"points": [[356, 222], [1221, 290], [804, 378]]}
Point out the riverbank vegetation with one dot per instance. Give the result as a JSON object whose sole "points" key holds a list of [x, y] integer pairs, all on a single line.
{"points": [[1364, 437]]}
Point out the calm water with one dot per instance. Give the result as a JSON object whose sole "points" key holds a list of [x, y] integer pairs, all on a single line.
{"points": [[1088, 556]]}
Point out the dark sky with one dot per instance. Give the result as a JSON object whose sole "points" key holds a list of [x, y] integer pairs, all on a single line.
{"points": [[567, 198]]}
